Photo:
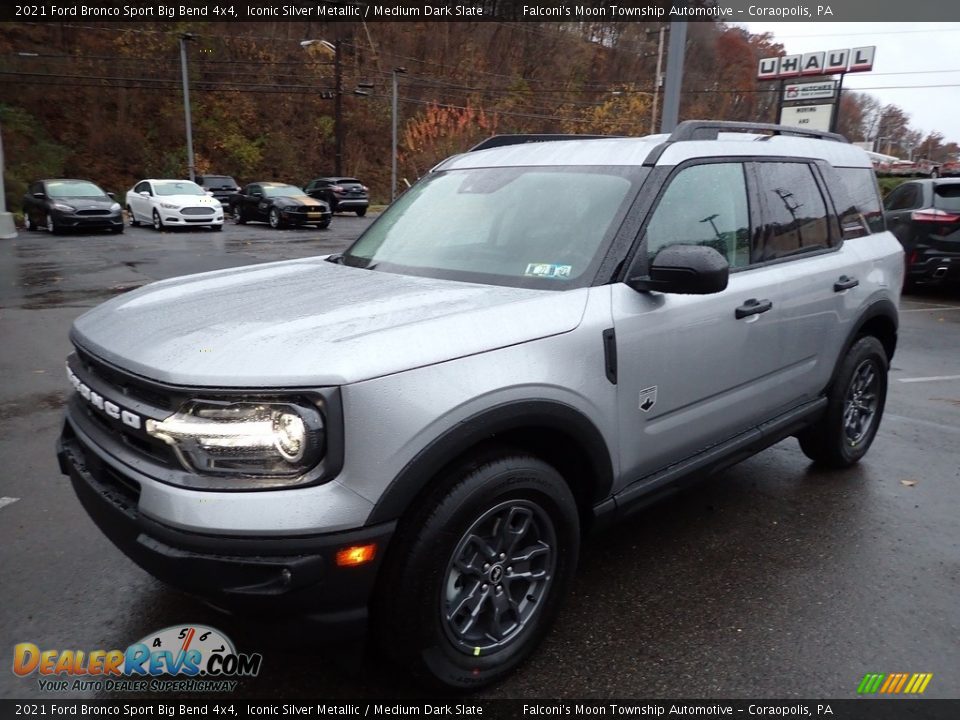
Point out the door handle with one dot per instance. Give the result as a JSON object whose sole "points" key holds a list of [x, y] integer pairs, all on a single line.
{"points": [[845, 283], [753, 307]]}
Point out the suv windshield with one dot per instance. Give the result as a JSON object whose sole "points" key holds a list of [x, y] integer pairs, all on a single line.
{"points": [[73, 188], [177, 187], [216, 182], [540, 227]]}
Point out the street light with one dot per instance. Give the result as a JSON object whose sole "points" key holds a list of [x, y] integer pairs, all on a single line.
{"points": [[393, 150], [334, 47], [186, 101]]}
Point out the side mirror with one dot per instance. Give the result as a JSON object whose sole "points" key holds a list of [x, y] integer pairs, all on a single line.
{"points": [[210, 193], [685, 270], [144, 193], [39, 195], [256, 194], [112, 196]]}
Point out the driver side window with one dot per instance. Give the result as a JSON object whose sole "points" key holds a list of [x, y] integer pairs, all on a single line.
{"points": [[704, 205]]}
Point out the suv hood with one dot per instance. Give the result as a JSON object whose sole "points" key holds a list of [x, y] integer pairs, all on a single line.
{"points": [[309, 323]]}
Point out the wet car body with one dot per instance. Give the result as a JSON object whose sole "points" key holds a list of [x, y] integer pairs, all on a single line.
{"points": [[279, 205], [69, 204]]}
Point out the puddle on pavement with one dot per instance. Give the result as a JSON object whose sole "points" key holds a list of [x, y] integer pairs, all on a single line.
{"points": [[32, 404], [71, 298]]}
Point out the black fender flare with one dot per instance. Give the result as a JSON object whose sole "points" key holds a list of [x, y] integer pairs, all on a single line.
{"points": [[485, 426], [882, 308]]}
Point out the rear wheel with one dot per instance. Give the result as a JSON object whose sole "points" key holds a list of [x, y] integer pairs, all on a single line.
{"points": [[361, 212], [132, 218], [856, 400], [477, 572]]}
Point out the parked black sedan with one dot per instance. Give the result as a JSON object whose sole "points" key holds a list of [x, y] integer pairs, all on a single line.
{"points": [[64, 204], [342, 194], [925, 217], [278, 204]]}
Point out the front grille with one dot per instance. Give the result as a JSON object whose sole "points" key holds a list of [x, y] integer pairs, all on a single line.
{"points": [[156, 450], [197, 211], [93, 212], [127, 384]]}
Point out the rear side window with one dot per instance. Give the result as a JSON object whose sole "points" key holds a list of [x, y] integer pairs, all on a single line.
{"points": [[946, 196], [861, 186], [795, 218]]}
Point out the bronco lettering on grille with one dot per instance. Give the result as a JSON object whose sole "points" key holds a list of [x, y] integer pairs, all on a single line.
{"points": [[111, 409]]}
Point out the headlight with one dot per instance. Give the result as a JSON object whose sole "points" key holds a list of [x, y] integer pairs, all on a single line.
{"points": [[169, 206], [115, 207], [248, 438], [63, 207]]}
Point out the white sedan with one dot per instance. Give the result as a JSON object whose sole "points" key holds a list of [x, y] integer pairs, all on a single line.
{"points": [[173, 203]]}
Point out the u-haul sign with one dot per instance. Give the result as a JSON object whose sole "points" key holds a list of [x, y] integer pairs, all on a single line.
{"points": [[817, 63]]}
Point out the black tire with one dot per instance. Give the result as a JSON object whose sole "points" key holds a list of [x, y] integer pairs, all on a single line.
{"points": [[28, 224], [52, 226], [274, 219], [157, 222], [238, 216], [422, 584], [361, 212], [116, 229], [856, 400], [217, 228], [133, 220], [324, 225]]}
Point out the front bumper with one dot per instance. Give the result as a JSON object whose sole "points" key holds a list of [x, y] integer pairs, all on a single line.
{"points": [[293, 578], [304, 216], [77, 221]]}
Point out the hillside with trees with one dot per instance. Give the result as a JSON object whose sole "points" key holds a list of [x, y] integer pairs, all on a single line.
{"points": [[103, 101]]}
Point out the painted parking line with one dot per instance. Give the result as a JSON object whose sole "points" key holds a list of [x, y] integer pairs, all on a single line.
{"points": [[932, 308], [932, 378], [924, 423], [4, 501]]}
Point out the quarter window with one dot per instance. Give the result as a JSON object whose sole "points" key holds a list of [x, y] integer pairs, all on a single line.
{"points": [[704, 205], [795, 214]]}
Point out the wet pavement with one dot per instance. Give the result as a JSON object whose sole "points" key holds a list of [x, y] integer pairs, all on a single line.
{"points": [[773, 579]]}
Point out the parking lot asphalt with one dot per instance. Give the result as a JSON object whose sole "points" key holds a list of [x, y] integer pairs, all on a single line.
{"points": [[774, 579]]}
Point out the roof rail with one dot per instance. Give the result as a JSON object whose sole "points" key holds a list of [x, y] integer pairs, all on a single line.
{"points": [[496, 141], [709, 129]]}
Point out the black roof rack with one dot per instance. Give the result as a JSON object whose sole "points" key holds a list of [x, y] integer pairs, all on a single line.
{"points": [[496, 141], [709, 129]]}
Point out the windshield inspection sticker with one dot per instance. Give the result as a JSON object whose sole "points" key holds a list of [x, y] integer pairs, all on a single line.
{"points": [[648, 398], [547, 270]]}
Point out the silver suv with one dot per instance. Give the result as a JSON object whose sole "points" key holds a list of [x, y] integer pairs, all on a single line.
{"points": [[540, 337]]}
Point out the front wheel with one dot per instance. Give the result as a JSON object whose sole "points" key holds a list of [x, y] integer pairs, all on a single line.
{"points": [[477, 571], [217, 228], [157, 222], [361, 212], [274, 219], [28, 224], [856, 400], [52, 226]]}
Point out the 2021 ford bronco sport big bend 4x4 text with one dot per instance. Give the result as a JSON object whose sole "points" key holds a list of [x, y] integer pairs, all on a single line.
{"points": [[541, 335]]}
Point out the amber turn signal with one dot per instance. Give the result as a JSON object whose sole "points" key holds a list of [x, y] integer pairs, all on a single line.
{"points": [[356, 555]]}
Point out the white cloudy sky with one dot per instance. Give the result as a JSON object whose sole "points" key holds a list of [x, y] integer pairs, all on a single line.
{"points": [[908, 54]]}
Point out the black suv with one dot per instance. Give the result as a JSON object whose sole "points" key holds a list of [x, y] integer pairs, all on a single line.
{"points": [[223, 187], [341, 194]]}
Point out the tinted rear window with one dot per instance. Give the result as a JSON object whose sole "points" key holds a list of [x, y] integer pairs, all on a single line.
{"points": [[218, 181], [861, 185], [946, 196]]}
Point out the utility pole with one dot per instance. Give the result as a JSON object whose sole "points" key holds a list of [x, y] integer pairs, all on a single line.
{"points": [[656, 82], [186, 102], [671, 91], [393, 146], [338, 108]]}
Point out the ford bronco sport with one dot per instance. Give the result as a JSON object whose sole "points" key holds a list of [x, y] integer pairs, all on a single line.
{"points": [[541, 336]]}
